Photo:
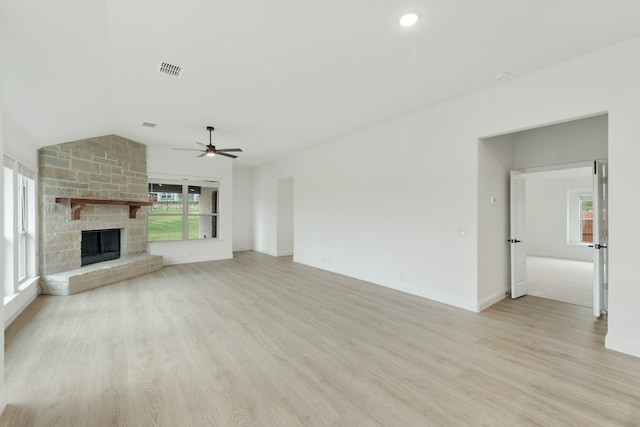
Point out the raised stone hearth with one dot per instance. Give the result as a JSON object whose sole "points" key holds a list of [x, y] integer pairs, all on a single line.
{"points": [[92, 184], [100, 274]]}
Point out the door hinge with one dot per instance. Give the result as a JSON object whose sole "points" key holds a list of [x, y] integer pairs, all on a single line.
{"points": [[514, 241]]}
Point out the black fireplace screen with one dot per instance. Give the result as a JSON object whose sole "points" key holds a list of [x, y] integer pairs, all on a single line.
{"points": [[100, 245]]}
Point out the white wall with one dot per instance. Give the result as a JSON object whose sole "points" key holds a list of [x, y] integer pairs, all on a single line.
{"points": [[495, 161], [394, 218], [391, 219], [570, 142], [547, 217], [166, 163], [3, 393], [18, 146], [242, 208], [285, 217]]}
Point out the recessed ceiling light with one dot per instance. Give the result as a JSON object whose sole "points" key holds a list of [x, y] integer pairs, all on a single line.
{"points": [[409, 19]]}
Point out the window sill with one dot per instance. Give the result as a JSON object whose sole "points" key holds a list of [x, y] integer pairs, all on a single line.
{"points": [[28, 282]]}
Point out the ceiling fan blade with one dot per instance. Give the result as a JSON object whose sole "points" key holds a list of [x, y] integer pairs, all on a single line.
{"points": [[227, 150], [186, 149], [200, 143], [201, 155], [218, 153]]}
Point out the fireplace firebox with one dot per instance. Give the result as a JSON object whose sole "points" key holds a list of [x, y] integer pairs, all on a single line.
{"points": [[100, 245]]}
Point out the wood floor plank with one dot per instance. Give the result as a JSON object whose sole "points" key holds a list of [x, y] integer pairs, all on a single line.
{"points": [[262, 341]]}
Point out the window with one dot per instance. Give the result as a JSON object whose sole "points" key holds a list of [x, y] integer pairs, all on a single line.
{"points": [[183, 211], [586, 219], [20, 225], [579, 216], [23, 194]]}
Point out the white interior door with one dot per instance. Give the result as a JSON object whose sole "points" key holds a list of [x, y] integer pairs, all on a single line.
{"points": [[600, 240], [517, 243]]}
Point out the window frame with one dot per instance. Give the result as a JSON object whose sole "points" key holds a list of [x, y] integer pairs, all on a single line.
{"points": [[574, 214], [581, 219], [185, 198], [20, 229]]}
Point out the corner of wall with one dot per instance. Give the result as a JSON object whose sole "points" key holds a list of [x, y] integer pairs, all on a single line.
{"points": [[622, 345], [485, 303]]}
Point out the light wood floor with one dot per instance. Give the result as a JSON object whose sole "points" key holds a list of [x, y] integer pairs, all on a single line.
{"points": [[266, 342]]}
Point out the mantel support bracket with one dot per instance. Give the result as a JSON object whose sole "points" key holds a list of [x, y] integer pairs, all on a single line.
{"points": [[76, 208], [133, 210]]}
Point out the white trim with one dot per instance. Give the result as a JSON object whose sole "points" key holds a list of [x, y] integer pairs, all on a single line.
{"points": [[622, 345], [21, 168], [574, 220], [173, 259], [561, 166], [489, 301], [462, 303], [7, 161]]}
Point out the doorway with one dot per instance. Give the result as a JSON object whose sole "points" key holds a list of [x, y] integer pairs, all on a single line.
{"points": [[545, 148], [559, 224], [586, 227]]}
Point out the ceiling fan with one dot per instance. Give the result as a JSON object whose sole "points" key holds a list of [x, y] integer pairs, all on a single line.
{"points": [[210, 150]]}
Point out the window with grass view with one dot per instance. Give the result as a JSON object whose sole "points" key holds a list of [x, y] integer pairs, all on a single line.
{"points": [[182, 212]]}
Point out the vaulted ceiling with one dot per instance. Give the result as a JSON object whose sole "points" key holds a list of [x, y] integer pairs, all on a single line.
{"points": [[277, 76]]}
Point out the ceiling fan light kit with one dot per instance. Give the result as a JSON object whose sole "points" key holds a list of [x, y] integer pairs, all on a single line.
{"points": [[210, 150]]}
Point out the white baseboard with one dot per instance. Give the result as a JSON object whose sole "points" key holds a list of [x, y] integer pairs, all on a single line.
{"points": [[622, 345], [569, 257], [3, 399], [285, 253], [488, 302], [398, 286]]}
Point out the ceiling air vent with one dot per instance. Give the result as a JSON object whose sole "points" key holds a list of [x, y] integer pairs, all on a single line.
{"points": [[148, 125], [170, 69]]}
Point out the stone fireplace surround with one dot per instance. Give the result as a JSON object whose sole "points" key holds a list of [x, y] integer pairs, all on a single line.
{"points": [[107, 167]]}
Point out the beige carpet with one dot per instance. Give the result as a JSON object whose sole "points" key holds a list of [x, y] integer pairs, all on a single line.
{"points": [[561, 280]]}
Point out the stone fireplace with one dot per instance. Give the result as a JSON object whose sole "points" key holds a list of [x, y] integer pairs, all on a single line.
{"points": [[110, 172]]}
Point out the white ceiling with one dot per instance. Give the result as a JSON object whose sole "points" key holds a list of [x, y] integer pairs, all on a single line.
{"points": [[274, 76]]}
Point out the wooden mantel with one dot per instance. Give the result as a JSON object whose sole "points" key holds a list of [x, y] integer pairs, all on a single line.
{"points": [[78, 204]]}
